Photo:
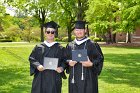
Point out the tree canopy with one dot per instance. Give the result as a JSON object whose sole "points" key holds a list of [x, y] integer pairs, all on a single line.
{"points": [[104, 16]]}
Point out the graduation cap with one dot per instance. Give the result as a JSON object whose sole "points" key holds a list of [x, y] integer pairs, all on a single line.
{"points": [[80, 24], [51, 24]]}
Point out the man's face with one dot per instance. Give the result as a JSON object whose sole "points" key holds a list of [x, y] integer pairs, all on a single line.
{"points": [[79, 33], [50, 33]]}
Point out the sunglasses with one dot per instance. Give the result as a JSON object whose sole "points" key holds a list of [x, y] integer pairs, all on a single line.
{"points": [[48, 32]]}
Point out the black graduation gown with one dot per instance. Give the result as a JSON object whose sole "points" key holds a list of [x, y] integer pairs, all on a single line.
{"points": [[48, 81], [90, 82]]}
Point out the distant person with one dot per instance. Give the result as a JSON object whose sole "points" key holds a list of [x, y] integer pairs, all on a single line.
{"points": [[83, 75], [47, 80]]}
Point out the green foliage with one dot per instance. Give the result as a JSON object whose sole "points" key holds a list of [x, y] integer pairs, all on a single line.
{"points": [[96, 39], [14, 33], [65, 39], [92, 37], [4, 18], [72, 37], [2, 11], [121, 16], [70, 11], [58, 39], [31, 35], [39, 9], [130, 15], [62, 32], [101, 15]]}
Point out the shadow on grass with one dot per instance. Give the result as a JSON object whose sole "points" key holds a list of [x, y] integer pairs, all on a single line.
{"points": [[14, 80], [122, 69]]}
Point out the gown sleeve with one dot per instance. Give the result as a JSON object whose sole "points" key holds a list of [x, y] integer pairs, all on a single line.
{"points": [[68, 57], [101, 58], [95, 57], [62, 62], [62, 57], [33, 59]]}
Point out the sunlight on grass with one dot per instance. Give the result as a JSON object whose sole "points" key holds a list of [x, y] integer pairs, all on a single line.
{"points": [[119, 75]]}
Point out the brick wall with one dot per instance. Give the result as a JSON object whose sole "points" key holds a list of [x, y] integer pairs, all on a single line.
{"points": [[136, 36], [121, 37]]}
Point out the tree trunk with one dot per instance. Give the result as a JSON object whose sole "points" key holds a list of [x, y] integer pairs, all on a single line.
{"points": [[87, 31], [42, 34], [82, 7], [69, 32], [69, 36], [128, 37], [1, 28], [104, 37], [95, 34], [109, 36], [70, 29], [79, 12], [114, 38], [56, 34], [29, 35], [42, 21]]}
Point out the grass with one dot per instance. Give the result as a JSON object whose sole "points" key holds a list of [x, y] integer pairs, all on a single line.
{"points": [[14, 69], [121, 72]]}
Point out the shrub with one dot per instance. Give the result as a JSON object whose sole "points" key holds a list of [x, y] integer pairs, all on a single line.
{"points": [[92, 37], [72, 37], [102, 39], [57, 39], [65, 39], [1, 37], [96, 39], [14, 33], [16, 39], [35, 39]]}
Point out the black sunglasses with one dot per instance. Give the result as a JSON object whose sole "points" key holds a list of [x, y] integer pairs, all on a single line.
{"points": [[48, 32]]}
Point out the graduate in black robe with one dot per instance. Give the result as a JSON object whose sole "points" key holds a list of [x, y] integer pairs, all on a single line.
{"points": [[45, 80], [83, 76]]}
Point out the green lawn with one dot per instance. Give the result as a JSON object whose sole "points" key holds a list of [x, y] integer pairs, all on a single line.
{"points": [[121, 72]]}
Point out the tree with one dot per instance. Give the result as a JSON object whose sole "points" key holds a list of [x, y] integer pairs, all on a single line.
{"points": [[5, 20], [130, 18], [114, 15], [52, 10], [2, 13], [102, 16], [72, 10], [40, 9], [68, 16]]}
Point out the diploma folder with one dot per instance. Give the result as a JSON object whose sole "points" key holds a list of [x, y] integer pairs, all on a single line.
{"points": [[50, 63], [79, 55]]}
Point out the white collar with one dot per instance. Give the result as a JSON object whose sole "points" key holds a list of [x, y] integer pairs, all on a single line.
{"points": [[80, 42], [50, 44]]}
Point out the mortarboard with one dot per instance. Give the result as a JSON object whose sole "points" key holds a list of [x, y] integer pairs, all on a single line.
{"points": [[51, 24], [80, 24]]}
